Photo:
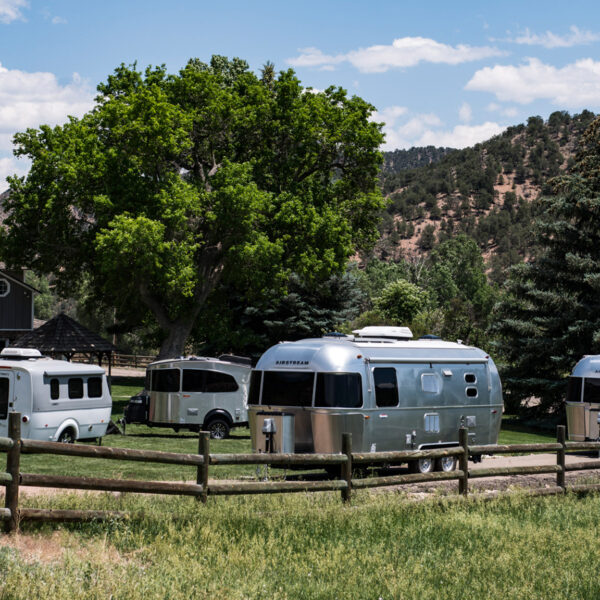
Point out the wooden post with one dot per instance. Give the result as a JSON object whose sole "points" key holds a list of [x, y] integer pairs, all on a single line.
{"points": [[202, 478], [346, 469], [463, 461], [561, 434], [13, 461]]}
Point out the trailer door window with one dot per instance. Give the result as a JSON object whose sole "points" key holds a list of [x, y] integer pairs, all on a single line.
{"points": [[4, 385], [165, 380], [54, 389], [574, 389], [339, 390], [287, 388], [430, 383], [386, 387], [95, 387], [75, 387]]}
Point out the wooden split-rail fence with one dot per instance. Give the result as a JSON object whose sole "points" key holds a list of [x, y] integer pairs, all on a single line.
{"points": [[348, 463]]}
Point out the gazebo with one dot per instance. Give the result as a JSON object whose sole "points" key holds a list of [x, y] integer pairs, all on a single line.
{"points": [[64, 337]]}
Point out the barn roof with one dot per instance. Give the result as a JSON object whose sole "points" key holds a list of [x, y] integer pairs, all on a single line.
{"points": [[64, 334]]}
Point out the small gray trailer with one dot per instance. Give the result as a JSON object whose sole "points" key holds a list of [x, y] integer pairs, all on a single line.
{"points": [[583, 400], [194, 393], [390, 392]]}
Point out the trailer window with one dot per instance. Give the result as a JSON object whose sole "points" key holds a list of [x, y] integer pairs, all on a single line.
{"points": [[220, 382], [386, 387], [591, 389], [339, 390], [165, 380], [4, 385], [75, 387], [287, 388], [574, 389], [94, 387], [54, 389], [192, 380], [254, 393]]}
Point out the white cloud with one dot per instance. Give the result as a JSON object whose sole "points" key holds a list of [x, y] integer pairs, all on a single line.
{"points": [[11, 166], [575, 86], [461, 136], [427, 130], [465, 113], [403, 52], [313, 57], [548, 39], [10, 10], [389, 115], [32, 99], [58, 21], [509, 111]]}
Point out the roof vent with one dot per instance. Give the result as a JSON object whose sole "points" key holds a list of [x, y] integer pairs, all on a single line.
{"points": [[21, 353], [394, 333]]}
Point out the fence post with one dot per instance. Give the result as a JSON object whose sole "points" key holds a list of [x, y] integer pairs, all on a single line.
{"points": [[561, 435], [202, 477], [347, 466], [463, 461], [13, 462]]}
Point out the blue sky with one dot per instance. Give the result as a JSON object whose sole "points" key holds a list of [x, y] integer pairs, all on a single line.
{"points": [[441, 73]]}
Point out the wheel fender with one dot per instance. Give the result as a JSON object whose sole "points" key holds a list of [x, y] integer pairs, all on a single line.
{"points": [[220, 413], [65, 425]]}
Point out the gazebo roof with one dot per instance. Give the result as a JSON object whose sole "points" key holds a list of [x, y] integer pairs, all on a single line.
{"points": [[64, 334]]}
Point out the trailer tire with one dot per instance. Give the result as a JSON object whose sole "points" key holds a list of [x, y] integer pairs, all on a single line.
{"points": [[218, 429], [67, 436], [422, 465], [447, 464]]}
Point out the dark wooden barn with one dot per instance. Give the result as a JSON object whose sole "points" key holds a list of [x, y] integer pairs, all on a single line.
{"points": [[16, 307]]}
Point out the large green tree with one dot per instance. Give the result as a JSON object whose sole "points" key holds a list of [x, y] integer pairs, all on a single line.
{"points": [[550, 315], [174, 184]]}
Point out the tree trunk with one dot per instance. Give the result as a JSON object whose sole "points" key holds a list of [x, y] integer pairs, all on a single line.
{"points": [[173, 345]]}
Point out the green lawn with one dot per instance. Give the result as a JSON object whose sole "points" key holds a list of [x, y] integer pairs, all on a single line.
{"points": [[311, 546]]}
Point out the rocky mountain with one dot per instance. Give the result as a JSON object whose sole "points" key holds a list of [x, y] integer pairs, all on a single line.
{"points": [[488, 191]]}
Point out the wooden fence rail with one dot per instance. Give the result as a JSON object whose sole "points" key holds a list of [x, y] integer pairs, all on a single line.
{"points": [[346, 463]]}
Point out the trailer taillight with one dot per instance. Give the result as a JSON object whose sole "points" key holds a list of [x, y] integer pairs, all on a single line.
{"points": [[25, 419]]}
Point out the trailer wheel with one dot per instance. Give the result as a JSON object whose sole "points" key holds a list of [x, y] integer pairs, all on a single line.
{"points": [[67, 436], [218, 429], [446, 464], [422, 465]]}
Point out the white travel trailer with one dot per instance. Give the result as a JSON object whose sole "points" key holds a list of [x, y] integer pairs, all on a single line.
{"points": [[583, 400], [58, 400], [389, 392], [194, 393]]}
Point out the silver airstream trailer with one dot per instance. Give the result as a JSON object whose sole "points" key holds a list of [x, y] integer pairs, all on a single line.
{"points": [[390, 392], [58, 400], [583, 400], [199, 393]]}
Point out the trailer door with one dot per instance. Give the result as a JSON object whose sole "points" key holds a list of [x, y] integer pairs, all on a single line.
{"points": [[6, 395]]}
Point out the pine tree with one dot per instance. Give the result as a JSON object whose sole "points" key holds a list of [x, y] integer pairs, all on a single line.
{"points": [[550, 316]]}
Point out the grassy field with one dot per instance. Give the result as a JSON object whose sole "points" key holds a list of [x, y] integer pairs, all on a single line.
{"points": [[157, 438], [382, 546]]}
